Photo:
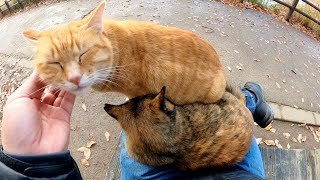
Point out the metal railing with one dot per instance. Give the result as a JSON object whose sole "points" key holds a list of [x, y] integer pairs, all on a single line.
{"points": [[9, 7], [293, 8]]}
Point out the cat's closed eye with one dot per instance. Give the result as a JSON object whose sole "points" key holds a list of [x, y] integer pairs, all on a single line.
{"points": [[81, 56], [56, 64]]}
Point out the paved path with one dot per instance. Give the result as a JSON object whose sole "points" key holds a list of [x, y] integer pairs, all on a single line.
{"points": [[284, 61]]}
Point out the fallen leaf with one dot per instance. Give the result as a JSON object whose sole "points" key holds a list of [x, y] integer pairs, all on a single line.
{"points": [[288, 146], [107, 135], [286, 135], [302, 125], [311, 128], [85, 151], [315, 136], [84, 107], [90, 143], [294, 139], [278, 59], [259, 140], [85, 162], [299, 138], [273, 130], [276, 141], [238, 67], [269, 142]]}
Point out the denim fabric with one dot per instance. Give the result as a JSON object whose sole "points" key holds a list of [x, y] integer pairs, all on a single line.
{"points": [[250, 100], [131, 169]]}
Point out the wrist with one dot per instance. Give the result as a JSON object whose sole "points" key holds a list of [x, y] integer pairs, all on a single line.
{"points": [[47, 165]]}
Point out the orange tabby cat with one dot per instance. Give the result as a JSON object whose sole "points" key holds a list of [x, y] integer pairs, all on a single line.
{"points": [[133, 58]]}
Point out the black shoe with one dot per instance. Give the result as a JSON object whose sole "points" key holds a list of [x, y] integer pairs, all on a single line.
{"points": [[263, 115]]}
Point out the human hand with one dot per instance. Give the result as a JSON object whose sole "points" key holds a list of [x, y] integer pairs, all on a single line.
{"points": [[35, 120]]}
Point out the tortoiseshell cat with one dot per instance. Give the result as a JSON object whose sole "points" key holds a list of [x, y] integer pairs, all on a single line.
{"points": [[130, 57], [191, 137]]}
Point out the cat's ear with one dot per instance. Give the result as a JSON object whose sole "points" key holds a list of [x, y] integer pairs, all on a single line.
{"points": [[113, 110], [32, 35], [158, 101], [95, 18]]}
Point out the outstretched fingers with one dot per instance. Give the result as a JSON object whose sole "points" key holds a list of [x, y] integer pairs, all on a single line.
{"points": [[65, 100]]}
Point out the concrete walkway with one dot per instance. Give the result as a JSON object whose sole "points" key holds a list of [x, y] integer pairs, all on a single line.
{"points": [[252, 47], [291, 114]]}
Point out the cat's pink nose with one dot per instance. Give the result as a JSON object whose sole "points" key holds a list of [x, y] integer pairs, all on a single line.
{"points": [[75, 80]]}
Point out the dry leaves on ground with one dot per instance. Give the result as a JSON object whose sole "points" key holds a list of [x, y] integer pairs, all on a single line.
{"points": [[273, 130], [294, 139], [286, 135], [86, 152], [301, 138], [259, 140], [90, 143], [85, 162], [269, 142], [277, 143], [84, 107], [288, 146], [315, 133], [239, 67], [107, 135]]}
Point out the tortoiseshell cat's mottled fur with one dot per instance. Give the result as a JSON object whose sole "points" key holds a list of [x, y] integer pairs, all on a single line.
{"points": [[190, 137], [130, 57]]}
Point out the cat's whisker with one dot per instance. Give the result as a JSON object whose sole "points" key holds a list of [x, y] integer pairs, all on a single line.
{"points": [[109, 81], [57, 91], [114, 74], [38, 90]]}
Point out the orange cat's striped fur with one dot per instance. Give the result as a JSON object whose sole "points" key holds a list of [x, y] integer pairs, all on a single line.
{"points": [[133, 58]]}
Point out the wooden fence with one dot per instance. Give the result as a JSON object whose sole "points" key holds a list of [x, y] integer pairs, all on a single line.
{"points": [[9, 5], [293, 8]]}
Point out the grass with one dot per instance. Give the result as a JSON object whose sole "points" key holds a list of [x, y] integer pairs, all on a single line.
{"points": [[275, 8], [262, 3]]}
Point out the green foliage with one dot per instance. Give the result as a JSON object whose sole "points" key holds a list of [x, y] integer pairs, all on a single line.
{"points": [[262, 3], [275, 8]]}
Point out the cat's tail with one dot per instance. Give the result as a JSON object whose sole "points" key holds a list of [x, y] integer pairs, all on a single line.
{"points": [[236, 92]]}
